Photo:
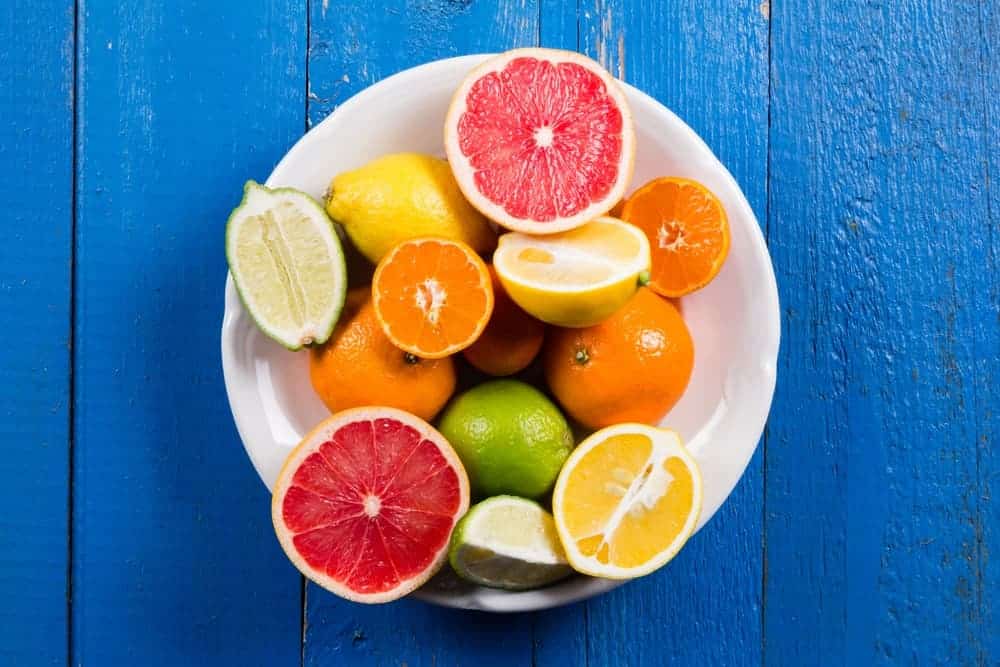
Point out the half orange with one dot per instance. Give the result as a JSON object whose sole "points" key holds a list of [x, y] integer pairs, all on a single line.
{"points": [[687, 229], [433, 297]]}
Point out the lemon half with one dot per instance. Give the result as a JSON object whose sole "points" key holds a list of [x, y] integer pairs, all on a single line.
{"points": [[575, 278]]}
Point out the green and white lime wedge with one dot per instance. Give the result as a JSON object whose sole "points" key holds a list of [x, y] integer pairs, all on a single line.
{"points": [[287, 263], [508, 542]]}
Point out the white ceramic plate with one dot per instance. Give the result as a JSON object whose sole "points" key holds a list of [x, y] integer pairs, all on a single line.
{"points": [[734, 321]]}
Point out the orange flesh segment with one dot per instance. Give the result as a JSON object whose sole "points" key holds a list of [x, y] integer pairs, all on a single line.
{"points": [[687, 229], [433, 297], [661, 495]]}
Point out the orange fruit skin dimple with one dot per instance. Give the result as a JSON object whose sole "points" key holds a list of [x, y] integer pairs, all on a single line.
{"points": [[688, 233], [359, 366], [432, 296], [632, 367], [511, 340]]}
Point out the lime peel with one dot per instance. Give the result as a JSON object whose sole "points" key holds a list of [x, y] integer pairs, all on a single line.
{"points": [[510, 543]]}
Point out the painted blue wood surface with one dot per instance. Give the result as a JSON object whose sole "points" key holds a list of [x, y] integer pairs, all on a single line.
{"points": [[987, 296], [36, 239], [865, 136], [882, 236], [174, 557]]}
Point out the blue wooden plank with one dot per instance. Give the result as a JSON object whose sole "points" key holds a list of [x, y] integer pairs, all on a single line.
{"points": [[561, 637], [987, 308], [558, 24], [353, 45], [878, 231], [707, 61], [174, 562], [411, 633], [36, 188]]}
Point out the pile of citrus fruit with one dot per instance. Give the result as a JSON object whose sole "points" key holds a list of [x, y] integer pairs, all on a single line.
{"points": [[517, 257]]}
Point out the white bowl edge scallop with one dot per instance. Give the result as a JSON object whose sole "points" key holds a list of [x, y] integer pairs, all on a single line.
{"points": [[735, 321]]}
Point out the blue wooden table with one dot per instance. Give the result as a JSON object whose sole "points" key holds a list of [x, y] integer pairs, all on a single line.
{"points": [[865, 134]]}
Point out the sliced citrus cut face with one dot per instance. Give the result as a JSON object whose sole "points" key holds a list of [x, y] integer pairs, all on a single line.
{"points": [[508, 542], [287, 263], [687, 230], [366, 504], [626, 501], [433, 297], [575, 278], [540, 140]]}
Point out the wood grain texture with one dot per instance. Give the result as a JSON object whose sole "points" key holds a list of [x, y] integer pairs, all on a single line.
{"points": [[411, 632], [559, 24], [988, 298], [868, 147], [36, 188], [354, 44], [175, 561], [880, 235]]}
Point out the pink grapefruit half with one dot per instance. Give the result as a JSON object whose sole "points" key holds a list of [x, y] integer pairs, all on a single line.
{"points": [[365, 505], [540, 140]]}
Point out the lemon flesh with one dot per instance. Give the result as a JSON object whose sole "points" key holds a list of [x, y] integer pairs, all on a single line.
{"points": [[576, 278], [510, 543], [287, 264], [401, 197], [626, 501]]}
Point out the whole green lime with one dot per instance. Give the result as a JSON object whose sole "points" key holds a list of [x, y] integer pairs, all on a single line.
{"points": [[510, 437]]}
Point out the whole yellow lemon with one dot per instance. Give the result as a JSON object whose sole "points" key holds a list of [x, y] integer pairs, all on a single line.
{"points": [[403, 196]]}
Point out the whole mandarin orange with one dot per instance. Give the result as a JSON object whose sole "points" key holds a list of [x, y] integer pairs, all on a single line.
{"points": [[511, 340], [632, 367], [359, 366]]}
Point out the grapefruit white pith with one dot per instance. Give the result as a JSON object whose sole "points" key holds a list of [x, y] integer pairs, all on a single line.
{"points": [[540, 140], [366, 504]]}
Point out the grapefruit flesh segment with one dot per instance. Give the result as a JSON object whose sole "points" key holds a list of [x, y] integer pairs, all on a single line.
{"points": [[367, 508], [544, 140]]}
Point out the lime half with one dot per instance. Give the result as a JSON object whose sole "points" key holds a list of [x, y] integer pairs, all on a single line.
{"points": [[508, 542], [287, 263]]}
